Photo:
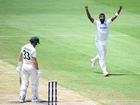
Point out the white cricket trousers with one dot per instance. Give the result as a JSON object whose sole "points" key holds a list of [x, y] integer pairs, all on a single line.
{"points": [[29, 71], [101, 47]]}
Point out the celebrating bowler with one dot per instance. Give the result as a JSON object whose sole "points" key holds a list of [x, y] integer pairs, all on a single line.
{"points": [[102, 30]]}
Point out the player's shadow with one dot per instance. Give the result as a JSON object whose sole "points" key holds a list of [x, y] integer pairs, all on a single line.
{"points": [[117, 74], [120, 74], [113, 74], [28, 101]]}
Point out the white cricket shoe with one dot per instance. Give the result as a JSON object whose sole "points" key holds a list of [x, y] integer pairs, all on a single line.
{"points": [[21, 99], [36, 100], [105, 74], [93, 63]]}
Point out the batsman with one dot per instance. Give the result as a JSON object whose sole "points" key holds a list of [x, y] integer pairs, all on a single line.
{"points": [[102, 31], [28, 66]]}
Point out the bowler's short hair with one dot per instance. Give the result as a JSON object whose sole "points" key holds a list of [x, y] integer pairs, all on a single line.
{"points": [[101, 14]]}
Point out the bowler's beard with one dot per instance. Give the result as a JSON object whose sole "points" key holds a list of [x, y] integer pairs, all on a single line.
{"points": [[102, 21]]}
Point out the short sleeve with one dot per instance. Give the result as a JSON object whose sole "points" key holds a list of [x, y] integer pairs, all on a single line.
{"points": [[34, 54], [109, 21]]}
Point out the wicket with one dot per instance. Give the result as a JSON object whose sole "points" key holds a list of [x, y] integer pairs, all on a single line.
{"points": [[52, 92]]}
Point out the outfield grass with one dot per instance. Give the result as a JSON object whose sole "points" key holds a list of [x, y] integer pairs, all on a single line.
{"points": [[67, 44]]}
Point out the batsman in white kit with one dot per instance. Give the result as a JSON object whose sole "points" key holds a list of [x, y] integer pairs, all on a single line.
{"points": [[28, 67], [102, 31]]}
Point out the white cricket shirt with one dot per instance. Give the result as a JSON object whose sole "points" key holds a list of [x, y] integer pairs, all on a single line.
{"points": [[28, 53], [102, 30]]}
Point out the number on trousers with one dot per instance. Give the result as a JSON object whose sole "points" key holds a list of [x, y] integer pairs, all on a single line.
{"points": [[26, 55]]}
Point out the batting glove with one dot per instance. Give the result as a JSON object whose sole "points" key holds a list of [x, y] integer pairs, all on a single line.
{"points": [[39, 73], [18, 68]]}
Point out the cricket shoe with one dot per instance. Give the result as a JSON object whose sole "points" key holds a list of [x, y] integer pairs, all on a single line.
{"points": [[106, 74], [21, 99], [36, 100], [93, 63]]}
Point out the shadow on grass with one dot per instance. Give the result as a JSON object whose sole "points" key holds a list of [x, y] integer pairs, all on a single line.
{"points": [[113, 74], [119, 74]]}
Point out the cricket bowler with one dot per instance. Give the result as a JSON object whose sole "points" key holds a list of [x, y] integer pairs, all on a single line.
{"points": [[28, 67], [102, 30]]}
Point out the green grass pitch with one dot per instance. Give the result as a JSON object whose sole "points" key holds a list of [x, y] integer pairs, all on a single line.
{"points": [[67, 44]]}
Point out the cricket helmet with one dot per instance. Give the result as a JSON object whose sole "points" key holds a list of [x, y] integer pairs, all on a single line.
{"points": [[34, 40]]}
